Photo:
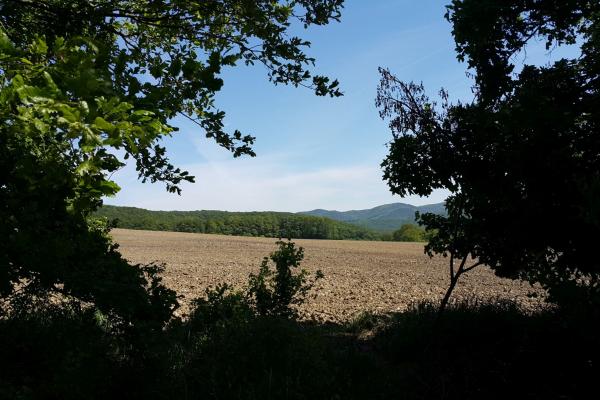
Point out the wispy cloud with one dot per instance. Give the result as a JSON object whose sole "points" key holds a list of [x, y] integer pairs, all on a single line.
{"points": [[265, 184]]}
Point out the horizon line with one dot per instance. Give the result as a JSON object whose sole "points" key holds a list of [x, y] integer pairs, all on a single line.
{"points": [[278, 211]]}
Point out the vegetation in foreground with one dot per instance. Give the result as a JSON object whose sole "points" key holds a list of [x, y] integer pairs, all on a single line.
{"points": [[524, 149], [228, 351], [249, 344]]}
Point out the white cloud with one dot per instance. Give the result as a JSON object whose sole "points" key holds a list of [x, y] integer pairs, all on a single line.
{"points": [[265, 184]]}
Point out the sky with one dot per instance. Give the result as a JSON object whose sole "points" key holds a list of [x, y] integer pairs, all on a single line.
{"points": [[315, 152]]}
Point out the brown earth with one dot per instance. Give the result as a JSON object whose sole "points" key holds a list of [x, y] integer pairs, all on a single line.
{"points": [[359, 275]]}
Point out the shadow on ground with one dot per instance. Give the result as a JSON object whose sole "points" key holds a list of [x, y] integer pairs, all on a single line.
{"points": [[474, 351]]}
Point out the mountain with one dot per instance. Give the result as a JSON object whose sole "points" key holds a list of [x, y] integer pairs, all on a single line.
{"points": [[315, 224], [387, 217]]}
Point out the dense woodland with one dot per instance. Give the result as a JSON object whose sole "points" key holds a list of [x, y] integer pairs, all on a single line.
{"points": [[267, 224]]}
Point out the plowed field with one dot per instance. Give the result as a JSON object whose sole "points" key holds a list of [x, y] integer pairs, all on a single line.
{"points": [[359, 275]]}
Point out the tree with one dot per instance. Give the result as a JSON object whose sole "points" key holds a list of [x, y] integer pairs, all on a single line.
{"points": [[85, 85], [273, 292], [521, 161], [409, 233]]}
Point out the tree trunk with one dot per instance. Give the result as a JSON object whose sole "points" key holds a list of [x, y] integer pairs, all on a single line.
{"points": [[446, 299]]}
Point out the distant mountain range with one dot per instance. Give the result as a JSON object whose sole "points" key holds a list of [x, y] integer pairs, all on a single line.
{"points": [[387, 217], [318, 224]]}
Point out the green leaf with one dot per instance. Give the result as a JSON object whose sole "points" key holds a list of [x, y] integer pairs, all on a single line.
{"points": [[109, 188], [104, 125], [71, 114], [6, 46]]}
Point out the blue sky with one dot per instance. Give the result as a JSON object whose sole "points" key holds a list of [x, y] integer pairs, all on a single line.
{"points": [[316, 152]]}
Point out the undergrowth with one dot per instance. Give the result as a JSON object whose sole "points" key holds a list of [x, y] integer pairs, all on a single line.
{"points": [[235, 347]]}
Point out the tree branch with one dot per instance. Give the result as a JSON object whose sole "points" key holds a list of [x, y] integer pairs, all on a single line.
{"points": [[472, 266]]}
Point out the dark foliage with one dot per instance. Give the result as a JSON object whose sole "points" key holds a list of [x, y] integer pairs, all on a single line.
{"points": [[476, 351], [490, 350], [526, 148], [47, 247]]}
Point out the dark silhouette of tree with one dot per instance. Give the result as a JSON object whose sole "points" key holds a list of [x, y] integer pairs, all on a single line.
{"points": [[522, 160], [85, 85]]}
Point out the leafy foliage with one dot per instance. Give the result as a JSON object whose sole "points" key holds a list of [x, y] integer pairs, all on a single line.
{"points": [[409, 233], [165, 57], [48, 247], [85, 86], [269, 293], [526, 148], [274, 292]]}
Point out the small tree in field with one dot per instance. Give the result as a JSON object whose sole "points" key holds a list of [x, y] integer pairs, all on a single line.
{"points": [[274, 292], [521, 161]]}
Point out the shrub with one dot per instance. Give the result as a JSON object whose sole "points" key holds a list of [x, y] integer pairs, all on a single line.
{"points": [[221, 305], [274, 292]]}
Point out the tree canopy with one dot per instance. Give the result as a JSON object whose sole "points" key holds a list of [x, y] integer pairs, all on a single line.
{"points": [[409, 233], [88, 84], [526, 148], [122, 67]]}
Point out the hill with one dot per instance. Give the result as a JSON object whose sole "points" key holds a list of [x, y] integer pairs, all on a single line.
{"points": [[387, 217], [268, 224]]}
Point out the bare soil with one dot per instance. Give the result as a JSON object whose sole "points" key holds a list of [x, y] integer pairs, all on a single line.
{"points": [[360, 276]]}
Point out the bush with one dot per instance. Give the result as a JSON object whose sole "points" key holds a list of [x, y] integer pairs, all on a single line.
{"points": [[56, 351], [221, 306], [274, 292]]}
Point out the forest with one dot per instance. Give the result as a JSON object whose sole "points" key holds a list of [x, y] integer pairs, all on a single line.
{"points": [[267, 224]]}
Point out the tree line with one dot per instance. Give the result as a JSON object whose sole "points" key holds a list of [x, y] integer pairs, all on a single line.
{"points": [[265, 224], [254, 223]]}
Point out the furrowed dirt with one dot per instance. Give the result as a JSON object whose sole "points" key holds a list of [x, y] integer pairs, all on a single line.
{"points": [[360, 276]]}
